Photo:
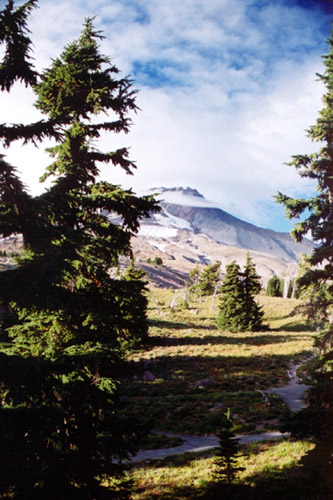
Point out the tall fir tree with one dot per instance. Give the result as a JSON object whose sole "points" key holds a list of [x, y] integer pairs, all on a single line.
{"points": [[238, 309], [252, 286], [318, 277], [69, 320], [232, 315], [14, 34]]}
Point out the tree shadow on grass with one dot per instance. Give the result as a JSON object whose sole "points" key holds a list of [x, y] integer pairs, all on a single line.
{"points": [[251, 340], [177, 374], [176, 325], [310, 479], [293, 326]]}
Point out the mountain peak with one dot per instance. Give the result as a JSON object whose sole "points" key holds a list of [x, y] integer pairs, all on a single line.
{"points": [[180, 190], [192, 192], [187, 209]]}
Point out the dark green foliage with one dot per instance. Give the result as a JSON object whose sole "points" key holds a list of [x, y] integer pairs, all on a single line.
{"points": [[70, 315], [274, 287], [58, 429], [158, 261], [205, 282], [316, 283], [226, 456], [251, 287], [209, 278], [238, 310], [194, 276], [232, 315], [294, 291], [16, 63], [135, 305]]}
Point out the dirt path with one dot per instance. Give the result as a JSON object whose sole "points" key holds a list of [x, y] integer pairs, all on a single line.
{"points": [[199, 443], [292, 395]]}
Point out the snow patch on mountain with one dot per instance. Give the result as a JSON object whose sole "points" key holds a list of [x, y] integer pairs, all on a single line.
{"points": [[159, 246], [155, 231], [166, 219], [163, 225], [187, 214]]}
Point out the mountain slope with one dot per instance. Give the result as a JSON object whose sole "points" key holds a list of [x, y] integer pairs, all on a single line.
{"points": [[188, 209], [190, 231], [227, 229]]}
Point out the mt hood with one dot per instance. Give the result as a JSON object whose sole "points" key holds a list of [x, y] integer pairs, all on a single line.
{"points": [[189, 230]]}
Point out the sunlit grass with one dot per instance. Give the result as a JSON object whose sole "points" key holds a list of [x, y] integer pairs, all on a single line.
{"points": [[185, 347], [187, 475], [265, 456]]}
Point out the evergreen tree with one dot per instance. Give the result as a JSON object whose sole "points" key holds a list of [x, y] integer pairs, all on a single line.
{"points": [[274, 287], [226, 457], [318, 278], [232, 314], [252, 286], [209, 278], [315, 297], [205, 282], [69, 319], [16, 63], [238, 310], [158, 261], [194, 276]]}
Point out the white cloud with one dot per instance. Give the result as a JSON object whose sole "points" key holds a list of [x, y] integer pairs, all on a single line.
{"points": [[226, 104]]}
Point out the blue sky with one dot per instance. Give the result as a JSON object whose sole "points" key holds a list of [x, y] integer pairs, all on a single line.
{"points": [[227, 89]]}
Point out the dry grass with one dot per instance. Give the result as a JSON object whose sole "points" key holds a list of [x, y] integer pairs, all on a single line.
{"points": [[186, 347], [190, 476]]}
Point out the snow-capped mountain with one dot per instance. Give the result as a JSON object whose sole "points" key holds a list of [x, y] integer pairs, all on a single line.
{"points": [[190, 230], [188, 209]]}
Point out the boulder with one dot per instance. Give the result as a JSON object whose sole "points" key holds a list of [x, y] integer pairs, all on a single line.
{"points": [[148, 376], [205, 383], [219, 407]]}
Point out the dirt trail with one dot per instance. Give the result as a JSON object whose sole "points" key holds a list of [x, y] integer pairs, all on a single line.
{"points": [[292, 395], [199, 443]]}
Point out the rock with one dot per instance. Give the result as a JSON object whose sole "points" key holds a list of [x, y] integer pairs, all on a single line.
{"points": [[147, 363], [219, 407], [148, 376], [204, 383]]}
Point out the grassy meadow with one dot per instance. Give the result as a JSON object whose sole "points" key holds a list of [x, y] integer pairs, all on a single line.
{"points": [[199, 372], [272, 472]]}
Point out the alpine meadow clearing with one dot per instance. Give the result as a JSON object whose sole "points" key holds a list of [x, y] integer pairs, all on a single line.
{"points": [[190, 373]]}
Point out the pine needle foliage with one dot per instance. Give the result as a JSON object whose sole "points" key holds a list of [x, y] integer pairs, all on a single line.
{"points": [[232, 315], [204, 282], [238, 309], [316, 282], [274, 287], [70, 318], [251, 286], [14, 35], [226, 467]]}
